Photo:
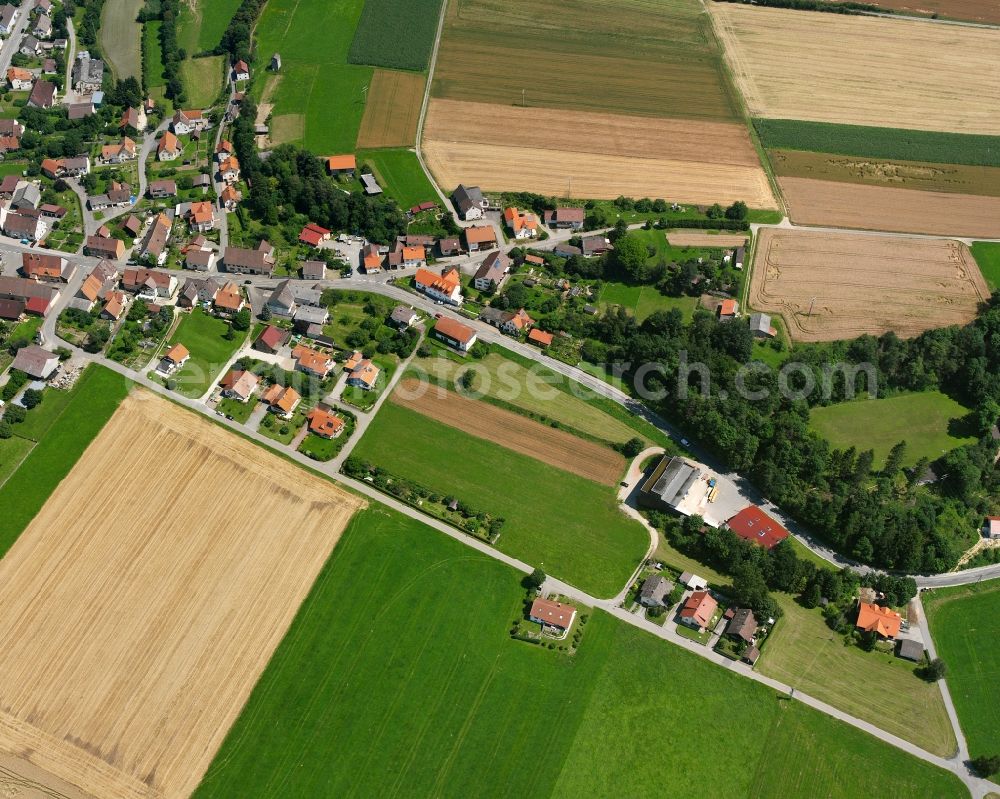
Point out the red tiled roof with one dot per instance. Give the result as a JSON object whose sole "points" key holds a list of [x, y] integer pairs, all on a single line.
{"points": [[752, 524], [454, 329], [883, 621], [540, 337]]}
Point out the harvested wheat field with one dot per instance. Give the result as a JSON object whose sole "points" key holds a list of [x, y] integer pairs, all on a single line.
{"points": [[513, 431], [551, 151], [824, 202], [140, 606], [861, 283], [863, 70], [392, 110], [694, 238]]}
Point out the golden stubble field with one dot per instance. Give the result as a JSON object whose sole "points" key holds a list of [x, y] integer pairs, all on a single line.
{"points": [[863, 283], [392, 110], [852, 205], [862, 70], [141, 605], [585, 154]]}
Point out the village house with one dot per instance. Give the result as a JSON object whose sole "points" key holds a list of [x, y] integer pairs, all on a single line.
{"points": [[698, 610], [480, 237], [133, 119], [241, 71], [49, 66], [753, 525], [282, 401], [161, 189], [341, 165], [540, 338], [885, 623], [282, 300], [149, 284], [371, 259], [229, 299], [324, 423], [21, 226], [450, 246], [198, 291], [454, 334], [174, 359], [550, 613], [312, 362], [43, 27], [8, 18], [446, 287], [38, 298], [30, 46], [565, 218], [259, 261], [9, 144], [727, 310], [132, 225], [492, 273], [230, 198], [154, 243], [597, 244], [742, 624], [52, 268], [364, 375], [43, 94], [510, 322], [20, 80], [402, 317], [119, 153], [655, 591], [188, 121], [104, 247], [229, 169], [114, 305], [201, 217], [271, 339], [168, 148], [521, 225], [76, 166], [88, 74], [314, 270], [469, 202], [314, 235], [118, 196], [201, 259], [239, 384], [11, 310], [26, 195], [36, 362]]}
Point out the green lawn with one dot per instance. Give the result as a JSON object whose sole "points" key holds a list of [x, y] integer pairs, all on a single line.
{"points": [[282, 430], [987, 255], [930, 423], [12, 452], [319, 101], [202, 22], [152, 65], [95, 398], [965, 624], [383, 687], [359, 397], [204, 336], [324, 449], [203, 79], [643, 301], [568, 526], [399, 173], [877, 687], [236, 410]]}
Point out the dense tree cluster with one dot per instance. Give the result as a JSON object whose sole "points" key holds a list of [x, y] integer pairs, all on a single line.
{"points": [[237, 38], [90, 25]]}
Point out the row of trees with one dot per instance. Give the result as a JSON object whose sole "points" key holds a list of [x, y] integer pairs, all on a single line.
{"points": [[237, 38]]}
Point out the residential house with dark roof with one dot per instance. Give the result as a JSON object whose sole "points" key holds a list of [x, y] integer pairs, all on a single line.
{"points": [[154, 244], [655, 591], [21, 226], [314, 270], [258, 261], [742, 624], [43, 94], [271, 339], [492, 272], [88, 74], [159, 189], [198, 291], [469, 202], [403, 317], [565, 218], [597, 244], [149, 282]]}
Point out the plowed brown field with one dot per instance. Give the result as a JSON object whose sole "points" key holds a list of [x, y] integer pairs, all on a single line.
{"points": [[862, 70], [513, 431], [392, 110], [970, 10], [592, 155], [860, 283], [141, 605], [824, 202]]}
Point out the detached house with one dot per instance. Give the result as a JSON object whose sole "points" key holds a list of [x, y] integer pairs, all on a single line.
{"points": [[510, 322], [229, 169], [241, 71], [36, 362], [324, 424], [698, 610], [189, 121], [521, 225], [201, 217], [480, 237], [21, 226], [88, 74], [20, 80], [282, 401], [239, 384], [148, 283], [154, 243], [550, 613], [119, 153], [133, 119], [8, 18], [230, 198], [259, 261], [364, 375], [454, 334], [565, 218], [312, 362], [229, 299], [492, 272], [883, 622], [446, 287], [169, 148], [161, 189], [341, 165], [469, 202], [43, 94]]}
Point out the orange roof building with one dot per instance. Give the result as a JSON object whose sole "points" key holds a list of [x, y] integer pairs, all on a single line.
{"points": [[282, 400], [341, 163], [753, 525], [364, 375], [312, 361], [229, 298], [540, 337], [698, 610], [552, 614], [352, 362], [728, 309], [177, 354], [454, 333], [169, 147], [325, 424], [523, 226], [446, 287], [875, 619]]}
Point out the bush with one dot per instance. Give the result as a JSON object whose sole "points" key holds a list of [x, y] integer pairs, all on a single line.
{"points": [[6, 431], [31, 398], [14, 414], [534, 580]]}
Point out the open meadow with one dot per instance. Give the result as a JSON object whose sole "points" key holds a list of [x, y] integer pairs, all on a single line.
{"points": [[857, 284], [383, 687], [806, 654], [569, 526], [120, 36], [392, 109], [791, 65], [591, 154], [965, 624], [202, 23], [987, 255], [930, 422], [854, 205], [126, 690], [399, 173], [205, 338]]}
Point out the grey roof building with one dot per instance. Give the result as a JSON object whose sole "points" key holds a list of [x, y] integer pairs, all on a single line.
{"points": [[469, 201], [910, 650], [668, 485], [370, 184], [402, 317], [760, 325], [27, 195], [311, 315], [655, 590], [742, 625], [36, 362], [492, 272]]}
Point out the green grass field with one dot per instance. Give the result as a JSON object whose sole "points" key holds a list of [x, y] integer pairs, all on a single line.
{"points": [[203, 79], [12, 451], [568, 526], [930, 423], [202, 23], [383, 687], [319, 95], [806, 654], [203, 335], [399, 173], [396, 35], [965, 624], [643, 301], [987, 255], [152, 64], [895, 143], [120, 37], [95, 398]]}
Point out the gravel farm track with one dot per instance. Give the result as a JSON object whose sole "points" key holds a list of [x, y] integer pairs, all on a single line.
{"points": [[511, 430], [502, 147], [853, 205], [858, 284], [900, 73], [141, 605]]}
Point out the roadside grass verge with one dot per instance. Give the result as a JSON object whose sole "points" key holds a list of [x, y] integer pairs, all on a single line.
{"points": [[930, 422], [965, 624], [569, 526], [987, 255], [877, 687], [95, 398]]}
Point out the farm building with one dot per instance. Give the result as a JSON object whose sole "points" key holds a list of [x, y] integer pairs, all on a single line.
{"points": [[550, 613], [693, 581], [753, 525], [36, 362], [454, 334], [761, 327], [540, 337], [669, 484], [341, 165], [910, 650], [370, 185], [727, 310]]}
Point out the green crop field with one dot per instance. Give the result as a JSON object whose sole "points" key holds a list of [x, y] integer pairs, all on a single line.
{"points": [[202, 23], [987, 255], [965, 625], [387, 686], [626, 57], [94, 399], [120, 37], [898, 143], [394, 34], [318, 97], [930, 422], [399, 173], [567, 525], [806, 654], [204, 336]]}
